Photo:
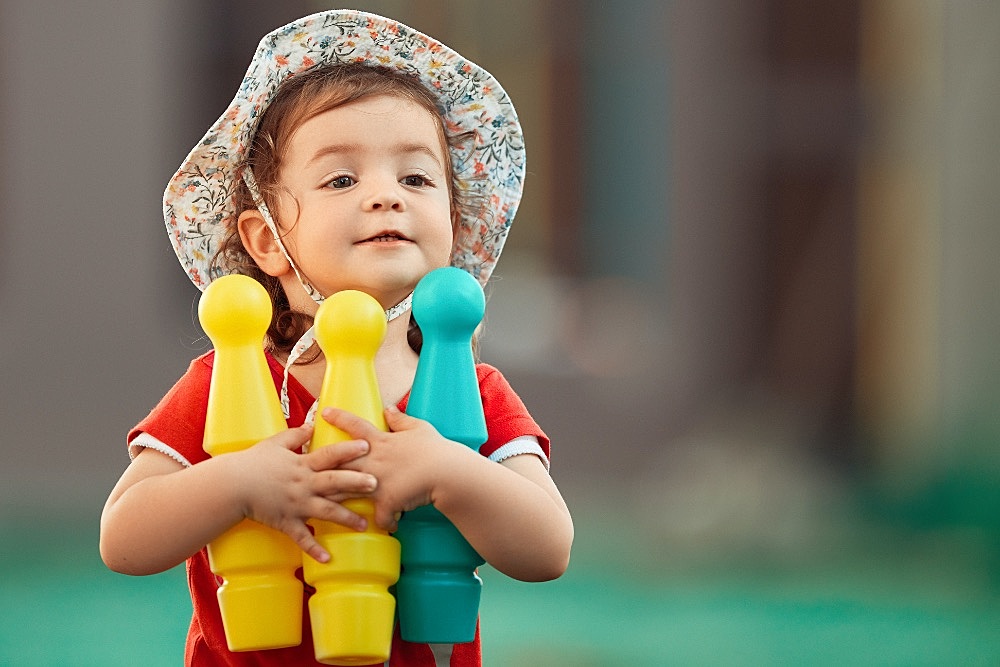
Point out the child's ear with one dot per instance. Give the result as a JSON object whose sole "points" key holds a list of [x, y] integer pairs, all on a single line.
{"points": [[261, 244]]}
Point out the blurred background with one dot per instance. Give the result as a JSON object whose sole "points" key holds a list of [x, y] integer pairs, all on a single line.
{"points": [[751, 294]]}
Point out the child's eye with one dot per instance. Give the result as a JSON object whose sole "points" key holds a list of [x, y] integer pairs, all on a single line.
{"points": [[341, 182], [415, 180]]}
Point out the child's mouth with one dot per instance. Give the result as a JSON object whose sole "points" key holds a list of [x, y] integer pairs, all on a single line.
{"points": [[385, 237]]}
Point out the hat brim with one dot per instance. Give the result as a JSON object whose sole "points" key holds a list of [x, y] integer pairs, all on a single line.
{"points": [[198, 203]]}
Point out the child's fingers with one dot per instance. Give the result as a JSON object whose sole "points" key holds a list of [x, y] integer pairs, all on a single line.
{"points": [[350, 423], [337, 513], [304, 538], [293, 438], [336, 455], [339, 485]]}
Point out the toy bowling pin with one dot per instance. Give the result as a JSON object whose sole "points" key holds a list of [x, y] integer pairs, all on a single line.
{"points": [[438, 588], [352, 611], [260, 598]]}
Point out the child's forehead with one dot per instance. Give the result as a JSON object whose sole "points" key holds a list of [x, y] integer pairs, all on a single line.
{"points": [[377, 122]]}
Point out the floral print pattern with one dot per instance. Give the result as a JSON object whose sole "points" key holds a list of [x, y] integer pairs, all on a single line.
{"points": [[197, 203]]}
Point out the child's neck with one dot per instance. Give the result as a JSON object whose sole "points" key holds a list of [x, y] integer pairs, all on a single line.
{"points": [[396, 362]]}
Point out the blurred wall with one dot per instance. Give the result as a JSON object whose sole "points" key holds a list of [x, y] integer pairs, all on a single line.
{"points": [[90, 97]]}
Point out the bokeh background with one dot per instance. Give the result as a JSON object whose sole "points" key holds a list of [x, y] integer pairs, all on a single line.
{"points": [[751, 293]]}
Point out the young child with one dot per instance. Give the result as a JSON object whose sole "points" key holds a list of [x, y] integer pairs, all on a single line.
{"points": [[357, 154]]}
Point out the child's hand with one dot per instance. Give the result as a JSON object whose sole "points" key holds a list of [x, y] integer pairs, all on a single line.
{"points": [[511, 513], [407, 462], [284, 489]]}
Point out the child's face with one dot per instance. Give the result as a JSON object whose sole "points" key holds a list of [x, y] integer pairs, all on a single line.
{"points": [[371, 208]]}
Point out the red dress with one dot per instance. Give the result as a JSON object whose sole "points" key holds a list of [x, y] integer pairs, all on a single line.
{"points": [[179, 422]]}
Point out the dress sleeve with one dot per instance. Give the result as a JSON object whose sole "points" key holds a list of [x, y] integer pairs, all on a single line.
{"points": [[178, 420], [507, 418]]}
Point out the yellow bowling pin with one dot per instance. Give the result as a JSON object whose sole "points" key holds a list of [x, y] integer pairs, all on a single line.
{"points": [[260, 598], [352, 611]]}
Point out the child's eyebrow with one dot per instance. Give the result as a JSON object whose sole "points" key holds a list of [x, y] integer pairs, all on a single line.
{"points": [[354, 148]]}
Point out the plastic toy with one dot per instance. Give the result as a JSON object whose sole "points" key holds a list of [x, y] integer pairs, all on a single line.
{"points": [[352, 611], [439, 590], [260, 598]]}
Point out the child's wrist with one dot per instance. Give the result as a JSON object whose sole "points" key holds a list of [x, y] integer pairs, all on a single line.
{"points": [[230, 479], [452, 470]]}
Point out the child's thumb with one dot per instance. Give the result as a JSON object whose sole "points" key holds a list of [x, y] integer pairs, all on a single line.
{"points": [[396, 419]]}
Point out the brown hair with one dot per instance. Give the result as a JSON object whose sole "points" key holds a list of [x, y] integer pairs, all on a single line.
{"points": [[300, 98]]}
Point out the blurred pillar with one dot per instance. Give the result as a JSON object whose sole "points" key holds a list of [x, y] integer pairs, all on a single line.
{"points": [[718, 146], [899, 227], [929, 369], [970, 233], [764, 133], [808, 215], [624, 128], [566, 112]]}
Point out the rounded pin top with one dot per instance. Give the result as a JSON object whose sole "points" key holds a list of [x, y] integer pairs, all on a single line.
{"points": [[450, 299], [351, 322], [235, 310]]}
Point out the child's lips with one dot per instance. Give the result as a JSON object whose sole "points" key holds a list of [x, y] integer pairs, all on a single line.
{"points": [[390, 236]]}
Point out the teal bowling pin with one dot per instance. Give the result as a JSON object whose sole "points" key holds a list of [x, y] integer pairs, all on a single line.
{"points": [[438, 590]]}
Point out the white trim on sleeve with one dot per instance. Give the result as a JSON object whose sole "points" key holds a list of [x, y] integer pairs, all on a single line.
{"points": [[146, 441], [525, 444]]}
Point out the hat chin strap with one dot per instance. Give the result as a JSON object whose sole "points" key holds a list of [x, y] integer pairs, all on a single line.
{"points": [[309, 337], [265, 213]]}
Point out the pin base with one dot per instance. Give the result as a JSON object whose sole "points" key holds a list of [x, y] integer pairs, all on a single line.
{"points": [[260, 614]]}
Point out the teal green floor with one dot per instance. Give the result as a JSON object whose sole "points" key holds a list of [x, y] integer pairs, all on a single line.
{"points": [[916, 599]]}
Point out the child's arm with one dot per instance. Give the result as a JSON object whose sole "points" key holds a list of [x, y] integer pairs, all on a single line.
{"points": [[511, 512], [161, 512]]}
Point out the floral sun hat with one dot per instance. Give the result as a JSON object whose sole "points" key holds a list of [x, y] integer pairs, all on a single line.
{"points": [[198, 204]]}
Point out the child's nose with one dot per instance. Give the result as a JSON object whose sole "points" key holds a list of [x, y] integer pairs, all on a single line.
{"points": [[384, 196]]}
